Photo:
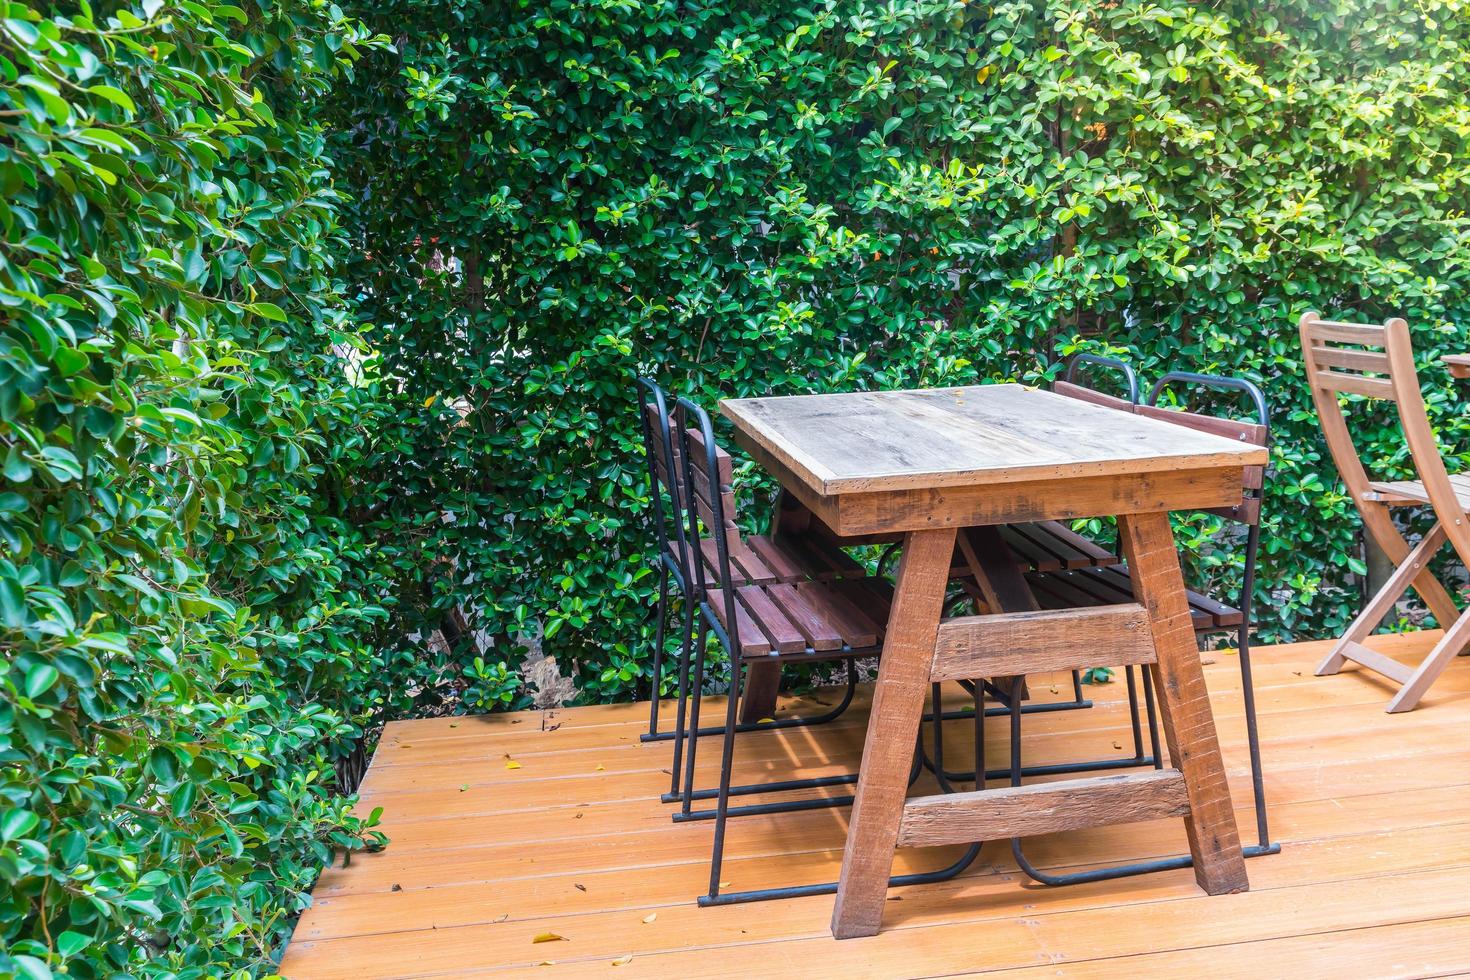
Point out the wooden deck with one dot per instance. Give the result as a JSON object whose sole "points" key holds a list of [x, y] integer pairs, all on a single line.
{"points": [[510, 827]]}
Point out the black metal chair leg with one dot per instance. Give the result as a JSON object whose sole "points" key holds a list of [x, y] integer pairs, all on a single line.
{"points": [[674, 795], [830, 887], [700, 645], [1138, 758], [761, 726], [1248, 690], [1153, 718], [790, 806], [658, 647], [685, 652], [727, 761], [1118, 870]]}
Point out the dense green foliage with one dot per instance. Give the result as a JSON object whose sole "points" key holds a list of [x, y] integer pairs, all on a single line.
{"points": [[758, 197], [185, 641], [251, 462]]}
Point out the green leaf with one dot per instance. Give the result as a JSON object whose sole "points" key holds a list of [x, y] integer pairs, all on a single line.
{"points": [[16, 823], [114, 95], [39, 680]]}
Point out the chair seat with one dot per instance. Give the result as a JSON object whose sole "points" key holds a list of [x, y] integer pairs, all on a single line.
{"points": [[1072, 588], [1402, 492], [793, 620], [761, 560]]}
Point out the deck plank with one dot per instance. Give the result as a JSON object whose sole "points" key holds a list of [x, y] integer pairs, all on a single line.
{"points": [[1373, 809]]}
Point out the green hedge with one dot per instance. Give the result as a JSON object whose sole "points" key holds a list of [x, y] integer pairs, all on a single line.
{"points": [[757, 197], [185, 610]]}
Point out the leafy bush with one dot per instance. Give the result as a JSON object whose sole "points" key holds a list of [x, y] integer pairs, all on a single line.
{"points": [[747, 198], [184, 607]]}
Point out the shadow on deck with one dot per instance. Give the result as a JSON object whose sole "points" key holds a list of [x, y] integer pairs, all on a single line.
{"points": [[1373, 811]]}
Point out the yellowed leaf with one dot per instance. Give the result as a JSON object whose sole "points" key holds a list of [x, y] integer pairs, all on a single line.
{"points": [[650, 917], [601, 767], [764, 720], [549, 937], [430, 400], [623, 960], [512, 764], [547, 963]]}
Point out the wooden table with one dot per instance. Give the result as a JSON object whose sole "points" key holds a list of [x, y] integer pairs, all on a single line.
{"points": [[1459, 365], [928, 463]]}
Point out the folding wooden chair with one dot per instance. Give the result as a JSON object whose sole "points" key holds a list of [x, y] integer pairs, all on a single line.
{"points": [[1378, 362]]}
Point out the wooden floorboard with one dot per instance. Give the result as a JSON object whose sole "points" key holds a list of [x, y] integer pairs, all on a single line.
{"points": [[511, 827]]}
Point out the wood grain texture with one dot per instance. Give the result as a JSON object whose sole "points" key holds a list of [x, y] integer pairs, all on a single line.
{"points": [[986, 434], [1459, 365], [1184, 703], [1356, 857], [1036, 642], [888, 749], [1043, 808]]}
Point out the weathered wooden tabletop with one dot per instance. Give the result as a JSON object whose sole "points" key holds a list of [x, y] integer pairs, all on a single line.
{"points": [[869, 461], [941, 437]]}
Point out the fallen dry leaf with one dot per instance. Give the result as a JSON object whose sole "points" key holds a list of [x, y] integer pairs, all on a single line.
{"points": [[577, 815], [1117, 744], [465, 787], [548, 937], [547, 963], [622, 960], [512, 764], [579, 886], [650, 917], [763, 721], [724, 884], [454, 724], [503, 917], [601, 767]]}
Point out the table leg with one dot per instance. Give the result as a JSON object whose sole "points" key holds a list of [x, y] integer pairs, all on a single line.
{"points": [[898, 705], [1184, 703]]}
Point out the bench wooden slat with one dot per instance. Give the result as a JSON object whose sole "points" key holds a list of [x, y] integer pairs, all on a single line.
{"points": [[854, 627], [784, 637], [818, 633], [752, 640]]}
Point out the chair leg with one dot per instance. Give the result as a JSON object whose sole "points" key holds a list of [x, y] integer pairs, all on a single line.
{"points": [[658, 647], [1414, 565], [701, 642], [727, 761], [1248, 690], [1449, 646], [685, 642]]}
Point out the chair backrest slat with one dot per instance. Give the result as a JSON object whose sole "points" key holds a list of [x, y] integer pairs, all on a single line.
{"points": [[706, 490], [711, 508]]}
